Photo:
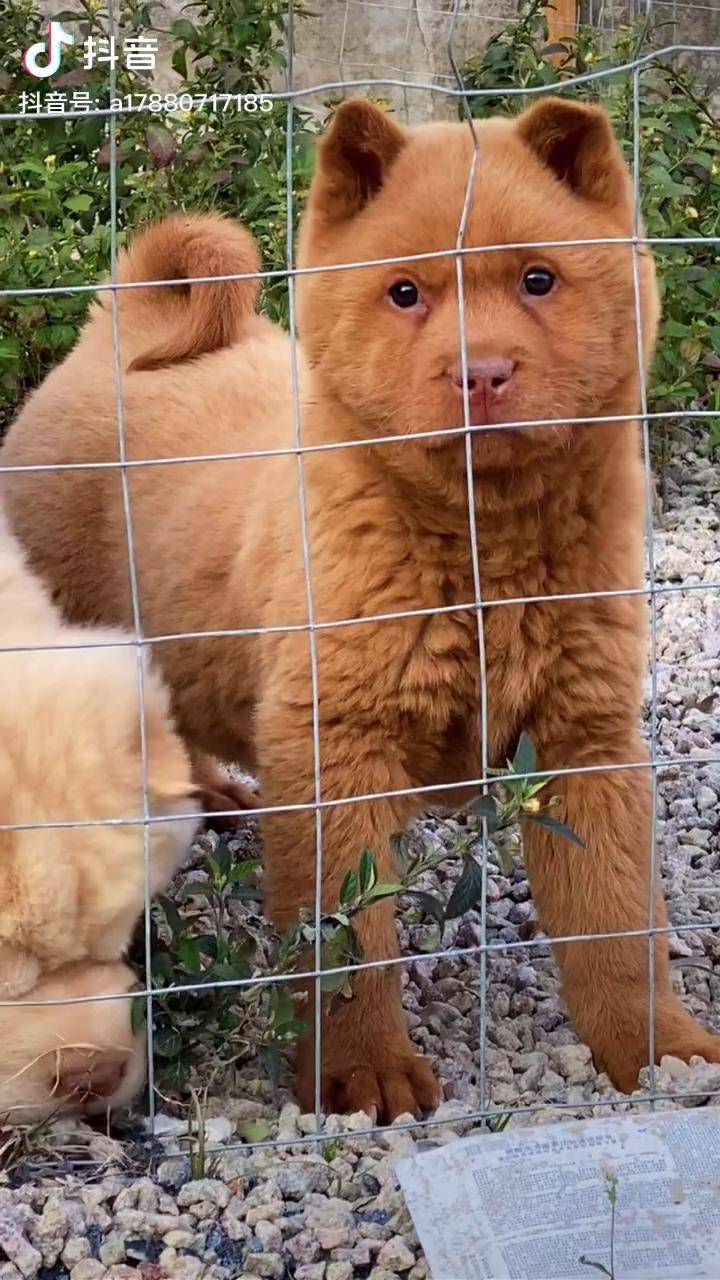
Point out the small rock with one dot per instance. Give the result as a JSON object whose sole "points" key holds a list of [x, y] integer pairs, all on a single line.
{"points": [[706, 798], [76, 1249], [112, 1250], [332, 1222], [173, 1173], [288, 1122], [185, 1268], [204, 1189], [675, 1068], [218, 1129], [304, 1174], [264, 1212], [179, 1239], [574, 1062], [678, 946], [339, 1271], [265, 1264], [17, 1248], [88, 1269], [395, 1255], [303, 1247], [270, 1237]]}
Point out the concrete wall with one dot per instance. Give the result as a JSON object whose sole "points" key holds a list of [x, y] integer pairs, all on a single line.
{"points": [[406, 40]]}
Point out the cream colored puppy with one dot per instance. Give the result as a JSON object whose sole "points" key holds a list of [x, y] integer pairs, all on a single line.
{"points": [[70, 752], [70, 896], [70, 1059]]}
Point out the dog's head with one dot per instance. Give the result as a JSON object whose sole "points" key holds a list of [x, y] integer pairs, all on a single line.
{"points": [[76, 1059], [550, 331]]}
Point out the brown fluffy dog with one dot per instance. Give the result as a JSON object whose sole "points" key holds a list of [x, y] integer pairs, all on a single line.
{"points": [[77, 1058], [551, 335]]}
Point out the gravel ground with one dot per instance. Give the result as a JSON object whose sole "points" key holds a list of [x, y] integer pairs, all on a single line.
{"points": [[80, 1205]]}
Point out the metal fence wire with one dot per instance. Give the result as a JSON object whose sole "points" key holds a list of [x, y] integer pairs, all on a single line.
{"points": [[449, 87]]}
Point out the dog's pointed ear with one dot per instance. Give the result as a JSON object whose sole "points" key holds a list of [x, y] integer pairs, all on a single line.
{"points": [[576, 141], [354, 156]]}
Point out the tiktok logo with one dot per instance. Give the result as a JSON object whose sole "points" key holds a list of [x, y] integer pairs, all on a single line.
{"points": [[53, 51]]}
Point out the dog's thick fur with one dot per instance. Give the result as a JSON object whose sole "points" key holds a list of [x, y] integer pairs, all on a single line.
{"points": [[70, 1058], [70, 897], [559, 511], [70, 751]]}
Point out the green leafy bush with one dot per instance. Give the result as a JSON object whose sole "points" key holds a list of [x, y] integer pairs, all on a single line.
{"points": [[679, 178], [205, 933], [55, 174]]}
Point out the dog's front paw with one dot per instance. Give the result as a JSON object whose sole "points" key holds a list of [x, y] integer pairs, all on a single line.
{"points": [[386, 1082], [623, 1054]]}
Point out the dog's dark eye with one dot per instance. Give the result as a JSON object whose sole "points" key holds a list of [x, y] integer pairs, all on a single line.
{"points": [[404, 294], [538, 281]]}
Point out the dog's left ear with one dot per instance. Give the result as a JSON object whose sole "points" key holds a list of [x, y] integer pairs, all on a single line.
{"points": [[354, 156], [577, 143]]}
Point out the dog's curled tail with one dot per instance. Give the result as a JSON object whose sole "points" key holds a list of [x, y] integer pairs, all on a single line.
{"points": [[196, 318]]}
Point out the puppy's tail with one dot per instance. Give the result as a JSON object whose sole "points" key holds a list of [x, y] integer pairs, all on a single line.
{"points": [[193, 318]]}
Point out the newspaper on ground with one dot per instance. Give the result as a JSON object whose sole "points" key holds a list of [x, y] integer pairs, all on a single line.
{"points": [[634, 1197]]}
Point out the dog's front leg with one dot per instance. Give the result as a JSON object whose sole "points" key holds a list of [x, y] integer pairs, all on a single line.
{"points": [[368, 1061], [605, 889]]}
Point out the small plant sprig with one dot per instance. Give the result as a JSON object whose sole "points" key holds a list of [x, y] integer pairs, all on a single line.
{"points": [[206, 945], [611, 1191], [511, 799]]}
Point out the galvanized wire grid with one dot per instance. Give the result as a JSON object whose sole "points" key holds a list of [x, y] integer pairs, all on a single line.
{"points": [[456, 94]]}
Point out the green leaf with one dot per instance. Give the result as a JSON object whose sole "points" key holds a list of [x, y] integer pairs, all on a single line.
{"points": [[242, 871], [256, 1130], [467, 892], [367, 872], [282, 1008], [184, 30], [486, 807], [349, 889], [79, 203], [334, 981], [380, 891], [173, 919], [179, 62], [558, 828], [246, 893], [195, 889], [292, 1029], [525, 760], [190, 956], [161, 145], [138, 1014]]}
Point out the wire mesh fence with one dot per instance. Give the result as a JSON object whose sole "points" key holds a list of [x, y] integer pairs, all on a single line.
{"points": [[402, 75]]}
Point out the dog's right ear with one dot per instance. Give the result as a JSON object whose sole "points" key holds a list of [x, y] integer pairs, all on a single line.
{"points": [[354, 155]]}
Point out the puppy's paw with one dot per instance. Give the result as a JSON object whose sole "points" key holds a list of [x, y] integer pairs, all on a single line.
{"points": [[677, 1035], [387, 1083], [218, 793]]}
